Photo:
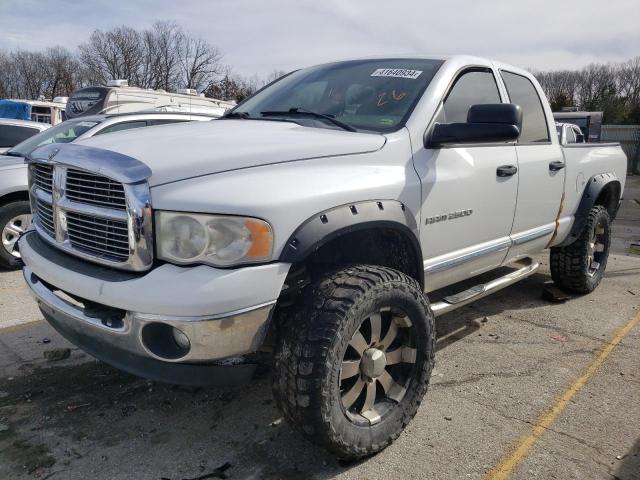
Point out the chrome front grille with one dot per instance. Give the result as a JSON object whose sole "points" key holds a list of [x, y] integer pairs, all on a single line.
{"points": [[92, 216], [43, 177], [44, 213], [95, 190], [101, 237]]}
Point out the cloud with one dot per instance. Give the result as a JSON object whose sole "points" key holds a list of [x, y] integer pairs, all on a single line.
{"points": [[258, 36]]}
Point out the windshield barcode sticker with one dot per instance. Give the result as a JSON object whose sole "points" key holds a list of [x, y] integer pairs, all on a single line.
{"points": [[397, 73]]}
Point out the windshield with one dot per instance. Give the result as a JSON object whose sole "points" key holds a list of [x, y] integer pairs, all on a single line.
{"points": [[66, 132], [376, 95]]}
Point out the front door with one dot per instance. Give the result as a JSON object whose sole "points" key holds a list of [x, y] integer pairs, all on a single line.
{"points": [[467, 205]]}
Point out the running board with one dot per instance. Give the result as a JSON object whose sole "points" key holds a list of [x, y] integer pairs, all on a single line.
{"points": [[477, 292]]}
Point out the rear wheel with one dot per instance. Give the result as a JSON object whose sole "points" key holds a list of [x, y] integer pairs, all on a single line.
{"points": [[579, 267], [354, 363], [15, 218]]}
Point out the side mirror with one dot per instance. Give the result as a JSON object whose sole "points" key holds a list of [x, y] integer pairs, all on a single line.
{"points": [[499, 122], [579, 137]]}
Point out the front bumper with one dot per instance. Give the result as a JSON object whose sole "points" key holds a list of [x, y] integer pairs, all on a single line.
{"points": [[71, 295]]}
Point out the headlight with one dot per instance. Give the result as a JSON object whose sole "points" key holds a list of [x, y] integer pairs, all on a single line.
{"points": [[218, 240]]}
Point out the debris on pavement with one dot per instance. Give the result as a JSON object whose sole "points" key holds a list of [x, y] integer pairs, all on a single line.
{"points": [[276, 422], [57, 354], [72, 408], [129, 410], [551, 293], [217, 473]]}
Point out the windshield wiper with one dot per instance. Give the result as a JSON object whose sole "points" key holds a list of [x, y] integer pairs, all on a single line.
{"points": [[302, 111], [242, 115]]}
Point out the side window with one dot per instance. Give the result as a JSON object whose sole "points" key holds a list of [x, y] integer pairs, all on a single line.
{"points": [[123, 126], [474, 87], [165, 121], [534, 122], [11, 135]]}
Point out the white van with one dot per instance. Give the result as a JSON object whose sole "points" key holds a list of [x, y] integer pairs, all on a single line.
{"points": [[118, 97]]}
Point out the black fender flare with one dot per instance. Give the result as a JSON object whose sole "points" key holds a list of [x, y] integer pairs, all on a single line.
{"points": [[324, 226], [595, 186]]}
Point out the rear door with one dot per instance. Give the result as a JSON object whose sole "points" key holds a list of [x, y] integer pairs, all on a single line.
{"points": [[541, 170], [467, 208]]}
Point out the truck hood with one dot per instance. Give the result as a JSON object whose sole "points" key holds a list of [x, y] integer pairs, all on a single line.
{"points": [[180, 151]]}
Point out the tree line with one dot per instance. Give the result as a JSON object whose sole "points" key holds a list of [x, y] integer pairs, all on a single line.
{"points": [[612, 88], [162, 57], [166, 57]]}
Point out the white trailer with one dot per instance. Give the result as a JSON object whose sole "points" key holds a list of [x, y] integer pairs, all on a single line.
{"points": [[118, 97]]}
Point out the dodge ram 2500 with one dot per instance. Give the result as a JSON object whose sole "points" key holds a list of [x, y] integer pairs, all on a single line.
{"points": [[315, 220]]}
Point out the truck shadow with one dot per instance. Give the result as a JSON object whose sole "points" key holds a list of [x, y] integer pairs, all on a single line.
{"points": [[629, 466], [456, 325], [93, 421]]}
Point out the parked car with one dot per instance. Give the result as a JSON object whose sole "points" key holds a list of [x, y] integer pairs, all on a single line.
{"points": [[13, 132], [118, 97], [15, 214], [568, 133], [317, 219]]}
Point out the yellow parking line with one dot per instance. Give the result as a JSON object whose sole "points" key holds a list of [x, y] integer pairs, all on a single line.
{"points": [[521, 449], [20, 326]]}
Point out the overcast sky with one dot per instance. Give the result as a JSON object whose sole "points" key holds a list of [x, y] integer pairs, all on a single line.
{"points": [[259, 36]]}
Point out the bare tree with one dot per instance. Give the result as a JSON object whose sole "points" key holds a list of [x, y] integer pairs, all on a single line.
{"points": [[274, 75], [199, 63], [63, 72], [162, 60], [117, 53]]}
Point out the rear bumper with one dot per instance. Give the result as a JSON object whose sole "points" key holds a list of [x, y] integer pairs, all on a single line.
{"points": [[165, 347]]}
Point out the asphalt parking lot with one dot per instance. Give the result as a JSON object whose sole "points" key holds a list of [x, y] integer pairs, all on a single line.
{"points": [[523, 386]]}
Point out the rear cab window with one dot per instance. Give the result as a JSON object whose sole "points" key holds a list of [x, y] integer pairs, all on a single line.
{"points": [[534, 121]]}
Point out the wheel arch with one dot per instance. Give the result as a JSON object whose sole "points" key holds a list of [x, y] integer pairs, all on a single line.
{"points": [[15, 196], [602, 189], [388, 219]]}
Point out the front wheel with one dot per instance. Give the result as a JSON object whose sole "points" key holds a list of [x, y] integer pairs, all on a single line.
{"points": [[353, 364], [15, 218], [579, 267]]}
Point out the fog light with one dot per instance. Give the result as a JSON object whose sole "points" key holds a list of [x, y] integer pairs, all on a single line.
{"points": [[181, 339]]}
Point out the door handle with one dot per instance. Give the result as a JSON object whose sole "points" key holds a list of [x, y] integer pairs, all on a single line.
{"points": [[507, 170], [556, 165]]}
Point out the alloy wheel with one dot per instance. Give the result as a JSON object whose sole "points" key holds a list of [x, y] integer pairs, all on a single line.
{"points": [[11, 232], [377, 366], [595, 248]]}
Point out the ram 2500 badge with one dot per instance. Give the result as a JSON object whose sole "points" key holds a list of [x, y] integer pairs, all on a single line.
{"points": [[316, 219]]}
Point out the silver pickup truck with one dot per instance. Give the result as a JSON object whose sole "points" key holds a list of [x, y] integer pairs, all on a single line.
{"points": [[316, 221]]}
